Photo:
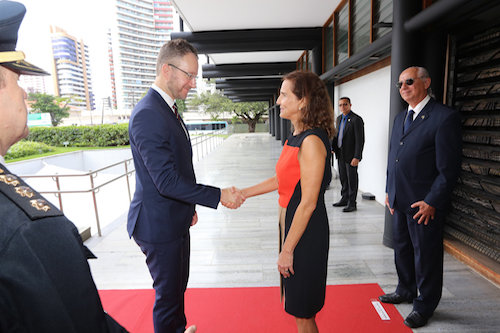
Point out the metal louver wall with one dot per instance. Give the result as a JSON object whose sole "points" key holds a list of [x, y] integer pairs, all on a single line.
{"points": [[474, 90]]}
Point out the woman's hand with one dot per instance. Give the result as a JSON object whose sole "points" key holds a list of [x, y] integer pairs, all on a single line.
{"points": [[285, 263]]}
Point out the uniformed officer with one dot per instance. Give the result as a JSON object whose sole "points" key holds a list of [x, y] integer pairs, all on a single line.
{"points": [[45, 280]]}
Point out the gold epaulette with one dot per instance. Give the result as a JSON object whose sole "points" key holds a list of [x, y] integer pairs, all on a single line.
{"points": [[26, 198]]}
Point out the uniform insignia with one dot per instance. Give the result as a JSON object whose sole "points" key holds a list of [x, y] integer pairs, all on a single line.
{"points": [[9, 180], [25, 191], [423, 116], [1, 170], [40, 204], [27, 199]]}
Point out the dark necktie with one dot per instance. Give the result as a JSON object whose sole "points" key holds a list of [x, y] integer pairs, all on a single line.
{"points": [[174, 107], [408, 121], [175, 111]]}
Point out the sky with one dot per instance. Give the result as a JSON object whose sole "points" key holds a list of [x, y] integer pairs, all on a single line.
{"points": [[88, 20]]}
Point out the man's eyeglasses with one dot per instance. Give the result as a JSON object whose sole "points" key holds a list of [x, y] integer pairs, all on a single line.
{"points": [[343, 104], [408, 82], [189, 75]]}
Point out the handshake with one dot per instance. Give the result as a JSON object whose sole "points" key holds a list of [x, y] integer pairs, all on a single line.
{"points": [[232, 197]]}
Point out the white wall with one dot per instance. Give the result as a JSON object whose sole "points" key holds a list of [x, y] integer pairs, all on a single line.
{"points": [[370, 99]]}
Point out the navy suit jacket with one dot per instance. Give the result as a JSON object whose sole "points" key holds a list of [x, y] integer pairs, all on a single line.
{"points": [[424, 163], [353, 138], [166, 190]]}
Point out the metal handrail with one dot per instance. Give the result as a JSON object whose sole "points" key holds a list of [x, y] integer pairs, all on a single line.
{"points": [[213, 138]]}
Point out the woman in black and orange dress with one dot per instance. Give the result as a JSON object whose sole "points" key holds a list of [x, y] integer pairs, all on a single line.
{"points": [[302, 175]]}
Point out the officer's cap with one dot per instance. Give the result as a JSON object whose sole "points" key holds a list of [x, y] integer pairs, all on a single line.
{"points": [[11, 16]]}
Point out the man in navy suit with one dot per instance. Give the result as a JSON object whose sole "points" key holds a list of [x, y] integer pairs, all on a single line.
{"points": [[348, 148], [163, 208], [423, 165]]}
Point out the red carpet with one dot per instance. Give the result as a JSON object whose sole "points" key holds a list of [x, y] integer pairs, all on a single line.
{"points": [[348, 308]]}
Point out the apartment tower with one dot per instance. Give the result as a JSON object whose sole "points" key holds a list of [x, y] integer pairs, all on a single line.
{"points": [[142, 27], [71, 69]]}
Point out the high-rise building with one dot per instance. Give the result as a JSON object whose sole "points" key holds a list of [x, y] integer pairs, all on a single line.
{"points": [[113, 101], [71, 69], [142, 27], [33, 84]]}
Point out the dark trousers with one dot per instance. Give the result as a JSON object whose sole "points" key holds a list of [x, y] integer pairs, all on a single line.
{"points": [[418, 253], [168, 264], [349, 181]]}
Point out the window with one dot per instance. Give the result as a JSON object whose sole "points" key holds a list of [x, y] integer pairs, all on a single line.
{"points": [[382, 13], [342, 35], [310, 60], [352, 27], [360, 30], [328, 45]]}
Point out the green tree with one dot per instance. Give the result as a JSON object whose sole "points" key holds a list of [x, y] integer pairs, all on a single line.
{"points": [[250, 113], [216, 104], [181, 106], [56, 106]]}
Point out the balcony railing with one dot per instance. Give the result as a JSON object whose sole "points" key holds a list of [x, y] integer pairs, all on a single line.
{"points": [[202, 144]]}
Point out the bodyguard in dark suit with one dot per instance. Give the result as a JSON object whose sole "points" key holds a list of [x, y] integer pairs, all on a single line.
{"points": [[348, 148], [163, 207], [423, 165], [45, 280]]}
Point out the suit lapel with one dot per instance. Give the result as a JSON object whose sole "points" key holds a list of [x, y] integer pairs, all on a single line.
{"points": [[422, 116], [184, 128], [348, 121], [171, 116]]}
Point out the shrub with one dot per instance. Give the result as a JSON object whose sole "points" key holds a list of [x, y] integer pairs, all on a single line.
{"points": [[27, 148], [82, 136]]}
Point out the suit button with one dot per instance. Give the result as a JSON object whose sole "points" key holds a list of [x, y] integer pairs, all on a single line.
{"points": [[401, 143], [397, 160]]}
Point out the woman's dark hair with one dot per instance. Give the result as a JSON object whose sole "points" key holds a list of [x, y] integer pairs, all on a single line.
{"points": [[318, 111]]}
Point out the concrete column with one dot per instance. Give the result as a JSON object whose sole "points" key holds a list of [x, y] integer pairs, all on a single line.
{"points": [[277, 122], [285, 130], [406, 51], [271, 121]]}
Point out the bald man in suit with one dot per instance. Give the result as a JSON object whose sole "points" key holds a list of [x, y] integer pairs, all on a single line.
{"points": [[423, 165]]}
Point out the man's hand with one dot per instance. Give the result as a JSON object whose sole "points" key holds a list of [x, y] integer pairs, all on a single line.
{"points": [[195, 218], [425, 212], [354, 162], [232, 197], [388, 204]]}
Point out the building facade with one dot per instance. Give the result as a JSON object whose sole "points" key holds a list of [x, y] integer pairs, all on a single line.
{"points": [[34, 84], [359, 48], [141, 28], [71, 69]]}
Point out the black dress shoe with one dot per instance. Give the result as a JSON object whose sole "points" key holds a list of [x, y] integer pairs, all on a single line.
{"points": [[393, 298], [415, 320], [349, 209], [340, 204]]}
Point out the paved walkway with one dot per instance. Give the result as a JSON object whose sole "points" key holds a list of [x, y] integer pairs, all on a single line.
{"points": [[239, 248]]}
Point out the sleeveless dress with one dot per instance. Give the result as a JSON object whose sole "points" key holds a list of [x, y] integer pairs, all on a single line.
{"points": [[305, 290]]}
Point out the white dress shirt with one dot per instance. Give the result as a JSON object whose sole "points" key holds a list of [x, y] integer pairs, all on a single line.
{"points": [[420, 106]]}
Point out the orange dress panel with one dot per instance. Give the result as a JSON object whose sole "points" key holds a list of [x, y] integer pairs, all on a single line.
{"points": [[288, 173]]}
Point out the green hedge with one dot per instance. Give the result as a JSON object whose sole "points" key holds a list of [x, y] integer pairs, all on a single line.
{"points": [[27, 148], [81, 136]]}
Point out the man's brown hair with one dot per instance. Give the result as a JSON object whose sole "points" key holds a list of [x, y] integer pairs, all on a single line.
{"points": [[173, 49]]}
